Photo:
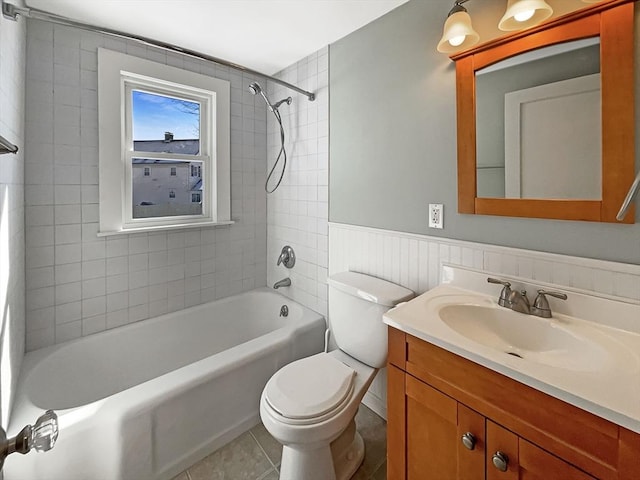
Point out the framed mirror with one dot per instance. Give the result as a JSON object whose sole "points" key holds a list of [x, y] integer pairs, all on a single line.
{"points": [[546, 118]]}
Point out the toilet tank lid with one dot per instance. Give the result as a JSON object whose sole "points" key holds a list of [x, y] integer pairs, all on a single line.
{"points": [[370, 288]]}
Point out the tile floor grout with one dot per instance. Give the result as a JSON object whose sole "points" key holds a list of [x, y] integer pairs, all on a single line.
{"points": [[275, 467], [249, 451]]}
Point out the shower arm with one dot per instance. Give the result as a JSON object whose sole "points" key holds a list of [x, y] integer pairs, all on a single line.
{"points": [[633, 190], [11, 12]]}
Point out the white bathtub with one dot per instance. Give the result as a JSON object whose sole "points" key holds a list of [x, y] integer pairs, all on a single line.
{"points": [[147, 400]]}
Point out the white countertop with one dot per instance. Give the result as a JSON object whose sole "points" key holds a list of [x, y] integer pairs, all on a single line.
{"points": [[607, 386]]}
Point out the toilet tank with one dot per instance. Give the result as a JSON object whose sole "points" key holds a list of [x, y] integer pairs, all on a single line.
{"points": [[356, 305]]}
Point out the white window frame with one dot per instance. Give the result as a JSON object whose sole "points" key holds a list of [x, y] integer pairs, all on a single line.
{"points": [[118, 75]]}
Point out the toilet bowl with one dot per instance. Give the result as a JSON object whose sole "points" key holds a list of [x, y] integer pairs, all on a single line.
{"points": [[308, 432], [309, 405]]}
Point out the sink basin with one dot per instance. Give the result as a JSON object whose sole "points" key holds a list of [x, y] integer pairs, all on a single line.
{"points": [[531, 338]]}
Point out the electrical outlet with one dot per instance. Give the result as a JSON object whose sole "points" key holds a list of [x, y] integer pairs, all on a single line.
{"points": [[436, 213]]}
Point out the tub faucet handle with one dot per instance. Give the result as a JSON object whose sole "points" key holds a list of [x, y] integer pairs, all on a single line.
{"points": [[42, 436], [287, 256]]}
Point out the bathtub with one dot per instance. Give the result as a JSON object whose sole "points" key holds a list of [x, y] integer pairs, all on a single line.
{"points": [[147, 400]]}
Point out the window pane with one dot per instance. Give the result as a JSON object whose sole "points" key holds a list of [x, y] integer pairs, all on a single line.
{"points": [[165, 124], [162, 193]]}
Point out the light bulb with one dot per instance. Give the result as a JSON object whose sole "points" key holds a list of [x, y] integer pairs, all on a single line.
{"points": [[524, 16], [456, 41]]}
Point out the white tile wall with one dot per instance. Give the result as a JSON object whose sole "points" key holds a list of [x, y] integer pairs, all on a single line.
{"points": [[299, 210], [12, 232], [79, 284], [414, 261]]}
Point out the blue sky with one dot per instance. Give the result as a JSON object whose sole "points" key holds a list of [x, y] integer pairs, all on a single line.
{"points": [[155, 114]]}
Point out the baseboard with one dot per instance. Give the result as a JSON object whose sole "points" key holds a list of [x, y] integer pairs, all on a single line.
{"points": [[376, 404]]}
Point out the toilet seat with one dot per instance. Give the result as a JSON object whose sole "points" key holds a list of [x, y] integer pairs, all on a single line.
{"points": [[310, 390]]}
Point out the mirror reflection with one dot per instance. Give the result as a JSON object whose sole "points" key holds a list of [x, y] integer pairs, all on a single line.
{"points": [[538, 124]]}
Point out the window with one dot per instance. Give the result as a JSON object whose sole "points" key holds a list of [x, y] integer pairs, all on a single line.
{"points": [[174, 121]]}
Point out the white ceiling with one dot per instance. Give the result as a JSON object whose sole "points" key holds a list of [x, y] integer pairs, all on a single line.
{"points": [[264, 35]]}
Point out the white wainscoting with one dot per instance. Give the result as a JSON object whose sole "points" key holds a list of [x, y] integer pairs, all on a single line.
{"points": [[415, 261]]}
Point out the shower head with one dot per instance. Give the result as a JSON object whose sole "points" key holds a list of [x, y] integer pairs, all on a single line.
{"points": [[255, 88]]}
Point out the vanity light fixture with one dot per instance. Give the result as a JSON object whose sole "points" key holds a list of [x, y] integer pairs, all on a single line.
{"points": [[458, 33], [523, 14]]}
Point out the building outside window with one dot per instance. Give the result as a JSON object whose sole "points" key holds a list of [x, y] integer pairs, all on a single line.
{"points": [[147, 171], [195, 198]]}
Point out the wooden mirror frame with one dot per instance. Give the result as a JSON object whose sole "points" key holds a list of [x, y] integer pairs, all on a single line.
{"points": [[612, 21]]}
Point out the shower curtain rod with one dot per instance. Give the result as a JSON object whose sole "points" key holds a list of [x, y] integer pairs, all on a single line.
{"points": [[11, 12]]}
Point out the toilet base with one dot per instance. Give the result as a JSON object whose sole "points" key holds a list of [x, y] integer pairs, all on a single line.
{"points": [[338, 461], [350, 460]]}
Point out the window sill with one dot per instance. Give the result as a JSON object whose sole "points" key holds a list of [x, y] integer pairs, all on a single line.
{"points": [[163, 228]]}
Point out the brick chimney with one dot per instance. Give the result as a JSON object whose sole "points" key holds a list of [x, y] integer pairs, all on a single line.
{"points": [[168, 137]]}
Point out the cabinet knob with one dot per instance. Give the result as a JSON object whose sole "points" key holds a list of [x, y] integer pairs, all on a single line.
{"points": [[500, 461], [469, 440]]}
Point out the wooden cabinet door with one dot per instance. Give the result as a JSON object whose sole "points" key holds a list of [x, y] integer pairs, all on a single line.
{"points": [[435, 424], [470, 461], [526, 461]]}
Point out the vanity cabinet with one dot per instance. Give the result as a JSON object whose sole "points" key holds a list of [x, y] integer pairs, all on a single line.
{"points": [[449, 417]]}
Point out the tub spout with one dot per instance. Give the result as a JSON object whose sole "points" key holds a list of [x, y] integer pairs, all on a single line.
{"points": [[285, 282]]}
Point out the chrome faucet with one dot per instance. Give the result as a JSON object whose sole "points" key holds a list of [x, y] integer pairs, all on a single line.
{"points": [[285, 282], [518, 301]]}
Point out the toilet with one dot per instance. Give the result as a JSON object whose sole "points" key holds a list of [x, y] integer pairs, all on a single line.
{"points": [[309, 405]]}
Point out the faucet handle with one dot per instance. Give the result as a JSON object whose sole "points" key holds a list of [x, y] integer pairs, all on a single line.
{"points": [[287, 256], [559, 295], [541, 306], [498, 281], [503, 301]]}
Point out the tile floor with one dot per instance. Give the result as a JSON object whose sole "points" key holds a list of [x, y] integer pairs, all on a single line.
{"points": [[255, 455]]}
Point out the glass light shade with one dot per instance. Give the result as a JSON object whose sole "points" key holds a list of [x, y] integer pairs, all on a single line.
{"points": [[458, 33], [522, 9]]}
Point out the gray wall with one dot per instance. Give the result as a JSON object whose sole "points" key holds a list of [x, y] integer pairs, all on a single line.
{"points": [[393, 139]]}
